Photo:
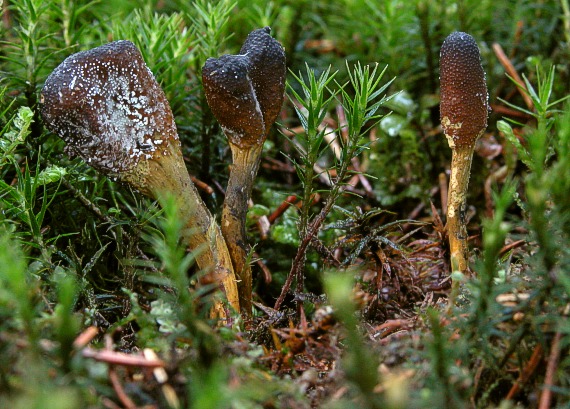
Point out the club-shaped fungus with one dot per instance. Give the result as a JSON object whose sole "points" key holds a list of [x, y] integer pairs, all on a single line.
{"points": [[107, 106], [245, 93], [464, 109]]}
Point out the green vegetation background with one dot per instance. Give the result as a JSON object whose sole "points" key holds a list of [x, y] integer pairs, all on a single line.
{"points": [[78, 249]]}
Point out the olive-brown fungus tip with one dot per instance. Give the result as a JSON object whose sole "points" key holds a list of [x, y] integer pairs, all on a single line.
{"points": [[108, 108], [267, 71], [464, 99], [232, 98]]}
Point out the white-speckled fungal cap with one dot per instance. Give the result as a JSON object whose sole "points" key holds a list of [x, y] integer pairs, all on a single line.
{"points": [[107, 106]]}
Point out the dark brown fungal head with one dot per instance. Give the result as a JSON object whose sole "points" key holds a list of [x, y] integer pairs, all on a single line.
{"points": [[267, 71], [246, 91], [464, 100], [107, 106], [232, 98]]}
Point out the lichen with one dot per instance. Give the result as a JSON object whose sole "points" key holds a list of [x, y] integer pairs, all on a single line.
{"points": [[107, 106]]}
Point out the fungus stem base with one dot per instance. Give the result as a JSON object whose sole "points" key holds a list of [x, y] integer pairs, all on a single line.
{"points": [[238, 194], [168, 176], [456, 206]]}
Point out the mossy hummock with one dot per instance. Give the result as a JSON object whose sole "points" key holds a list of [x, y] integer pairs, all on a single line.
{"points": [[107, 106], [245, 93], [464, 108]]}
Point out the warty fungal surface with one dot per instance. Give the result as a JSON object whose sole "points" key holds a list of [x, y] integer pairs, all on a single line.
{"points": [[107, 106]]}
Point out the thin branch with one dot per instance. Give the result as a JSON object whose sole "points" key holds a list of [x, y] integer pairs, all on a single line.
{"points": [[118, 387], [510, 69], [527, 371], [551, 368], [119, 358]]}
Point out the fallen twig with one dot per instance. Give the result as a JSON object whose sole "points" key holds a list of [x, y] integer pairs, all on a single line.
{"points": [[118, 387], [502, 110], [510, 69], [267, 276], [391, 326], [288, 202], [512, 246], [202, 185], [552, 365], [119, 358], [85, 337], [527, 371], [443, 192]]}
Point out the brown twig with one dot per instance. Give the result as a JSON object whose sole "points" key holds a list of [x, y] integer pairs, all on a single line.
{"points": [[267, 276], [527, 371], [552, 365], [119, 358], [506, 111], [443, 192], [424, 248], [202, 185], [118, 387], [273, 164], [391, 326], [299, 260], [511, 246], [510, 69], [288, 202], [85, 337], [329, 256]]}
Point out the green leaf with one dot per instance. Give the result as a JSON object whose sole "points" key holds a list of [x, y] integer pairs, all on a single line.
{"points": [[507, 131], [49, 175]]}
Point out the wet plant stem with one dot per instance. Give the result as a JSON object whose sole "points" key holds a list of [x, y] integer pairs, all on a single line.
{"points": [[238, 193]]}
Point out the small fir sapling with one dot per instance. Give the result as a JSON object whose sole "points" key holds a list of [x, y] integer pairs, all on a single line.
{"points": [[107, 106], [464, 109], [245, 93]]}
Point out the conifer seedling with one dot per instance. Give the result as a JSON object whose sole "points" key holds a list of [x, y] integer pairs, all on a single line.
{"points": [[464, 109], [107, 106], [245, 93]]}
